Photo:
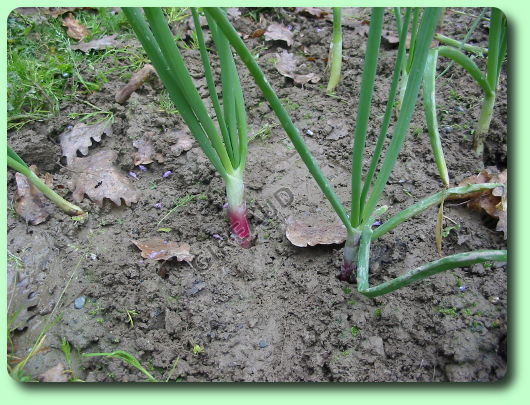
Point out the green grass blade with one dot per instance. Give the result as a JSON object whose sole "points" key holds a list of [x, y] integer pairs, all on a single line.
{"points": [[154, 53], [211, 83], [282, 114], [126, 357], [425, 35], [428, 202], [467, 63], [447, 263], [175, 62], [429, 104], [363, 112], [389, 107]]}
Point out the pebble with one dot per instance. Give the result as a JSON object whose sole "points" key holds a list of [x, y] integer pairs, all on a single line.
{"points": [[79, 302], [196, 287], [459, 108], [263, 344]]}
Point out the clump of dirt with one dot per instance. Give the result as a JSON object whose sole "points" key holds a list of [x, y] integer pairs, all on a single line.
{"points": [[274, 312]]}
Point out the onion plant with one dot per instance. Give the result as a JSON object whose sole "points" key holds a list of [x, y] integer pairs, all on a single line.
{"points": [[488, 81], [366, 194], [15, 162], [225, 145], [335, 51]]}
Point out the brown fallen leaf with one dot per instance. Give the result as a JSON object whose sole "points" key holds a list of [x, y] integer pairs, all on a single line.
{"points": [[233, 12], [257, 33], [98, 178], [495, 201], [101, 43], [51, 11], [278, 32], [55, 374], [184, 143], [160, 249], [30, 203], [76, 30], [137, 80], [286, 66], [145, 153], [311, 11], [79, 138], [22, 298], [314, 232]]}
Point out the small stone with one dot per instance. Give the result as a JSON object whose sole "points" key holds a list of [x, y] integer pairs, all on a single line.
{"points": [[79, 302], [459, 108], [263, 344], [494, 300], [448, 129], [196, 287]]}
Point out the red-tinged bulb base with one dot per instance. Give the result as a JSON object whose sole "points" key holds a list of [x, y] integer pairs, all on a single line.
{"points": [[240, 226], [347, 270]]}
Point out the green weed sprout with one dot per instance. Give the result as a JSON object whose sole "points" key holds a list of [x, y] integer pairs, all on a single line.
{"points": [[128, 358], [364, 210], [15, 162], [225, 146], [335, 51]]}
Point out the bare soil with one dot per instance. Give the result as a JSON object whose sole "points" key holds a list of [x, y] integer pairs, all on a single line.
{"points": [[273, 312]]}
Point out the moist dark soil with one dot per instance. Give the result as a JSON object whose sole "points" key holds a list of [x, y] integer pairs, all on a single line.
{"points": [[274, 312]]}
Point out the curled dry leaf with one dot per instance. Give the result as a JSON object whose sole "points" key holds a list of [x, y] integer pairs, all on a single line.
{"points": [[22, 297], [494, 202], [184, 143], [29, 201], [76, 30], [102, 43], [278, 32], [55, 374], [98, 178], [137, 80], [312, 11], [233, 12], [286, 66], [145, 153], [160, 249], [314, 232], [79, 138]]}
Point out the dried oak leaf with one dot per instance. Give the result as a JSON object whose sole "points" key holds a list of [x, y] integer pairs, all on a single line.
{"points": [[79, 138], [96, 44], [233, 12], [52, 11], [495, 201], [98, 178], [22, 297], [278, 32], [312, 232], [160, 249], [286, 66], [137, 80], [55, 374], [312, 11], [184, 143], [30, 203], [76, 30], [145, 153]]}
